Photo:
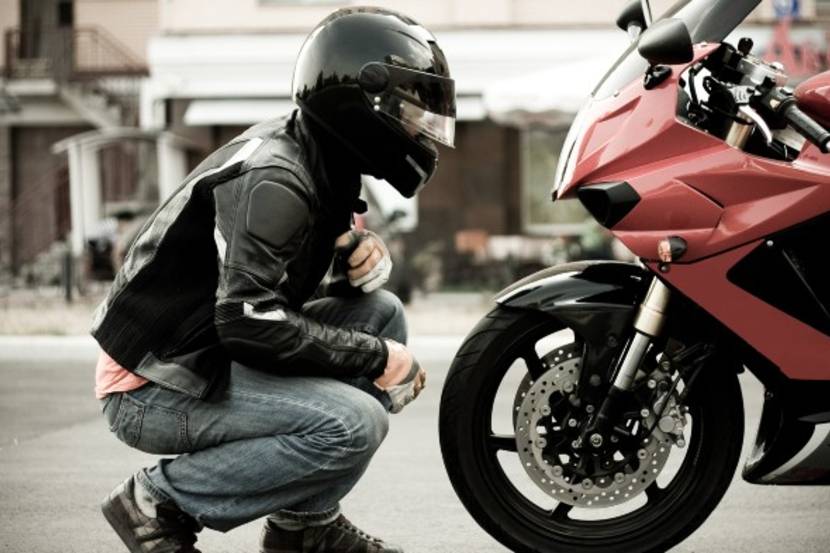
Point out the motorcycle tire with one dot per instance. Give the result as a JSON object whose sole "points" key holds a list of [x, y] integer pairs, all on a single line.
{"points": [[465, 424]]}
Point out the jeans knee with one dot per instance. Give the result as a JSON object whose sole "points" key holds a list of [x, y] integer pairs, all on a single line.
{"points": [[368, 424], [392, 311], [379, 423]]}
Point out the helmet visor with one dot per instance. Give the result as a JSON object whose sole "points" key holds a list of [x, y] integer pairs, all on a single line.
{"points": [[440, 128], [424, 103]]}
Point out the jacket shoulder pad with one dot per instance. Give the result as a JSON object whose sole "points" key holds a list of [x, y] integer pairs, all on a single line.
{"points": [[275, 213]]}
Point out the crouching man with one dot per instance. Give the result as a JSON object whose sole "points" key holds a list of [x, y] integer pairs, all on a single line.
{"points": [[212, 344]]}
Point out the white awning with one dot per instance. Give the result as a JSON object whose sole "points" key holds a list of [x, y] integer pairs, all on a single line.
{"points": [[235, 112], [257, 69], [261, 65], [247, 111], [549, 96]]}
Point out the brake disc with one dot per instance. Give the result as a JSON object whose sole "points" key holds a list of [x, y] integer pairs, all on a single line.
{"points": [[552, 473], [558, 355]]}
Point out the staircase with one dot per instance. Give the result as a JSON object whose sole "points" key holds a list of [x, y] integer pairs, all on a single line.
{"points": [[96, 74]]}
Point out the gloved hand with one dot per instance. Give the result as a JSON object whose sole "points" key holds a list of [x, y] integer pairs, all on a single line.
{"points": [[403, 378], [369, 261]]}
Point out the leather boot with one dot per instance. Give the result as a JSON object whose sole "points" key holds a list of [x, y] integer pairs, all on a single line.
{"points": [[340, 536], [170, 531]]}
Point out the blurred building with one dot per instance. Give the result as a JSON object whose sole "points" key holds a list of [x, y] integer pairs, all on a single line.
{"points": [[522, 68], [68, 67]]}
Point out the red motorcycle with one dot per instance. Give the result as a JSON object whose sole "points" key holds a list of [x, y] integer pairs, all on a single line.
{"points": [[597, 407]]}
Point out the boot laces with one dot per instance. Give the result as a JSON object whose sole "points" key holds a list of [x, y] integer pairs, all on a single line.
{"points": [[343, 523]]}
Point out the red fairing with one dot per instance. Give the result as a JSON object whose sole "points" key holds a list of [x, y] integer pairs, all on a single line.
{"points": [[813, 96], [798, 349], [721, 200]]}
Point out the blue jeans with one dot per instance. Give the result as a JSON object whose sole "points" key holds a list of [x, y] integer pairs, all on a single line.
{"points": [[266, 444]]}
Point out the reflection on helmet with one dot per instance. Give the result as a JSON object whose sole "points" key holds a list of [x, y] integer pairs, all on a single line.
{"points": [[379, 82], [421, 102]]}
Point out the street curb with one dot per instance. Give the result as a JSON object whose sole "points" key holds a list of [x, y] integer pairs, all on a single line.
{"points": [[84, 348], [48, 348]]}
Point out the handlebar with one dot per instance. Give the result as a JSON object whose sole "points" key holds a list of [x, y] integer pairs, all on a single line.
{"points": [[781, 102], [808, 127]]}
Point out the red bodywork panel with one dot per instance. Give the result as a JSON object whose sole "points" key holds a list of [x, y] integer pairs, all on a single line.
{"points": [[721, 200], [799, 350], [813, 96]]}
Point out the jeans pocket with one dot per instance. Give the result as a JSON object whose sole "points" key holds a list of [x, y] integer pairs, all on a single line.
{"points": [[163, 431], [124, 416]]}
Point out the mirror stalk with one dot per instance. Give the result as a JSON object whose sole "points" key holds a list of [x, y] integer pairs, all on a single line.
{"points": [[631, 19], [646, 12]]}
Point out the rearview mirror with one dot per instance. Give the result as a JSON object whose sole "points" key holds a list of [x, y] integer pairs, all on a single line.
{"points": [[667, 42], [632, 20]]}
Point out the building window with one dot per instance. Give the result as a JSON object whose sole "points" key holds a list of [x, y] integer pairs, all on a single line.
{"points": [[66, 14], [540, 155]]}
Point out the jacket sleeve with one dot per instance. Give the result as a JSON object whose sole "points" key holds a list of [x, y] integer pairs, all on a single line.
{"points": [[260, 225]]}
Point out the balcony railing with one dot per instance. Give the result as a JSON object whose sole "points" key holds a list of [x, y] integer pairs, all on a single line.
{"points": [[69, 54]]}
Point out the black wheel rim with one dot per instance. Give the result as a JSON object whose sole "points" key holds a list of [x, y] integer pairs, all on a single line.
{"points": [[555, 525]]}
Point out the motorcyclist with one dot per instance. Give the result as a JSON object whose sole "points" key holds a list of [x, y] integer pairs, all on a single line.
{"points": [[212, 342]]}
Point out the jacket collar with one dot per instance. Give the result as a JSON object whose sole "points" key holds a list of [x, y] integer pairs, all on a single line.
{"points": [[337, 185]]}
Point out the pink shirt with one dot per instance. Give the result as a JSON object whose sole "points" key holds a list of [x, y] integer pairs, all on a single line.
{"points": [[110, 377]]}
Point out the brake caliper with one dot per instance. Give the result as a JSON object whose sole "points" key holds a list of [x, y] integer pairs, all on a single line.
{"points": [[549, 417]]}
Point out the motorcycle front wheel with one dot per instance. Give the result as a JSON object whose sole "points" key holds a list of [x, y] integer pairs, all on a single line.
{"points": [[497, 362]]}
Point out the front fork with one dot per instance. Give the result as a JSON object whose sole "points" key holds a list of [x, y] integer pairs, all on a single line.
{"points": [[647, 325]]}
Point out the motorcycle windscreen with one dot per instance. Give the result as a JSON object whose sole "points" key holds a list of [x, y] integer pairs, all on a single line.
{"points": [[706, 20]]}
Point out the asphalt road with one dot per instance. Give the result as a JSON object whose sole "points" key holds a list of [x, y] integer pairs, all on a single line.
{"points": [[57, 460]]}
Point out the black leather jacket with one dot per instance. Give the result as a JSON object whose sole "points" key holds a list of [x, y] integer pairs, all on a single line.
{"points": [[222, 269]]}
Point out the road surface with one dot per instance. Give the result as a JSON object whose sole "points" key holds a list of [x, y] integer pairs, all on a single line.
{"points": [[57, 461]]}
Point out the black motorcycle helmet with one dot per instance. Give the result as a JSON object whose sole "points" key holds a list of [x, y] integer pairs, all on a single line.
{"points": [[380, 84]]}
